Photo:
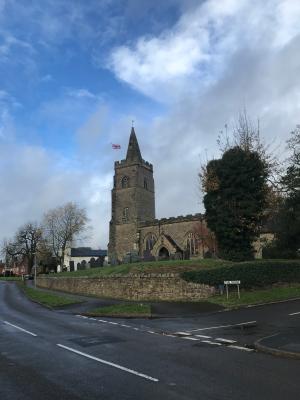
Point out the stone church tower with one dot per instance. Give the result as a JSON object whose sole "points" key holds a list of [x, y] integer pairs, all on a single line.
{"points": [[133, 201]]}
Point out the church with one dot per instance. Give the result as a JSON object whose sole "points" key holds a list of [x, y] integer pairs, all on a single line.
{"points": [[134, 231]]}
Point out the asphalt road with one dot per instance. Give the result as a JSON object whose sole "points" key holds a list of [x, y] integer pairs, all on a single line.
{"points": [[57, 355]]}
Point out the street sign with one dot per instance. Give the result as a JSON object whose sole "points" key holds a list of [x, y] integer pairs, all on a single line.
{"points": [[237, 283]]}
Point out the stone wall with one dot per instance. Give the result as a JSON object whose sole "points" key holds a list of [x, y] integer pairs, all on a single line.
{"points": [[131, 287]]}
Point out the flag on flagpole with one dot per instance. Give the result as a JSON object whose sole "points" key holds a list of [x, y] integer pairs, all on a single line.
{"points": [[116, 146]]}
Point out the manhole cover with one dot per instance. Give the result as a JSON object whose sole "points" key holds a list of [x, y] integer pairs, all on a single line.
{"points": [[95, 340]]}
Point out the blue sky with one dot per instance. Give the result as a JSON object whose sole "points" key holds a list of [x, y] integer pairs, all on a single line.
{"points": [[73, 74]]}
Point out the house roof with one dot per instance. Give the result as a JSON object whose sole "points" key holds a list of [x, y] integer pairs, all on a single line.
{"points": [[87, 252]]}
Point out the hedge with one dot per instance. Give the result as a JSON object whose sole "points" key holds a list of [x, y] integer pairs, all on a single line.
{"points": [[251, 274]]}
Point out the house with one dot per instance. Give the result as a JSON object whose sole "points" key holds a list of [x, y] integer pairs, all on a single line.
{"points": [[77, 258]]}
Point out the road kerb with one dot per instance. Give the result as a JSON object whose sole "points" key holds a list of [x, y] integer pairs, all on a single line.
{"points": [[274, 351]]}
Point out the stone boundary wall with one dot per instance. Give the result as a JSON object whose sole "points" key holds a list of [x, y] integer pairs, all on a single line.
{"points": [[130, 287]]}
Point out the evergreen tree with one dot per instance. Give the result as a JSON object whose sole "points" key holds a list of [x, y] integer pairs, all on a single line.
{"points": [[235, 199], [287, 244]]}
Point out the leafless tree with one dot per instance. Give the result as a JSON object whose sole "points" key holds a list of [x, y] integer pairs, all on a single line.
{"points": [[62, 225], [25, 244]]}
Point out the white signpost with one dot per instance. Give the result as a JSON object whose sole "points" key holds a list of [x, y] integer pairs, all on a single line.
{"points": [[237, 283]]}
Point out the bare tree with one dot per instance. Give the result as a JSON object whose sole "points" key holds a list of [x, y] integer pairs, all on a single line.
{"points": [[62, 225], [25, 244]]}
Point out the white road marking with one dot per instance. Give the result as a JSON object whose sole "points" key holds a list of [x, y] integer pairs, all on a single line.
{"points": [[240, 348], [189, 338], [113, 323], [223, 326], [225, 340], [203, 336], [183, 333], [21, 329], [210, 342], [131, 371], [295, 313], [102, 320], [126, 326]]}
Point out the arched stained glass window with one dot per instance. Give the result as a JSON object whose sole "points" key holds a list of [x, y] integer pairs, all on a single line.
{"points": [[191, 243], [149, 241]]}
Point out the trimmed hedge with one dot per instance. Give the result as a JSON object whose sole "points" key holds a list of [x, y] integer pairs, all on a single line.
{"points": [[251, 274]]}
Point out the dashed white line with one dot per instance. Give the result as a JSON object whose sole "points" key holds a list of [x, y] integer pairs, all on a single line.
{"points": [[295, 313], [183, 333], [223, 326], [21, 329], [203, 336], [100, 360], [225, 340], [232, 346], [189, 338], [126, 326], [102, 320], [210, 342], [113, 323]]}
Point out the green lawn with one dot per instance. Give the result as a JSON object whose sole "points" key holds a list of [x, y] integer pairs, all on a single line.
{"points": [[147, 267], [47, 299], [257, 296], [122, 310], [10, 278]]}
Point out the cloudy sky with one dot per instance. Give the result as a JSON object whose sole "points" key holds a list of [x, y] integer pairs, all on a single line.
{"points": [[75, 73]]}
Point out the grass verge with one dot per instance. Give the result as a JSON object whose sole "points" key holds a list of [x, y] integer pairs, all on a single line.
{"points": [[175, 266], [10, 278], [122, 310], [47, 299], [257, 296]]}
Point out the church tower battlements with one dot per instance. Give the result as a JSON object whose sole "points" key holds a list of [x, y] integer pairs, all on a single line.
{"points": [[133, 200]]}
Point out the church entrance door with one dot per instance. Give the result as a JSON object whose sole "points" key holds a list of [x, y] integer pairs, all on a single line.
{"points": [[163, 254]]}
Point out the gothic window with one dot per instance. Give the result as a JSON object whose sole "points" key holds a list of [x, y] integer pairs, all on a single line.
{"points": [[191, 243], [125, 214], [149, 241], [145, 183], [125, 182]]}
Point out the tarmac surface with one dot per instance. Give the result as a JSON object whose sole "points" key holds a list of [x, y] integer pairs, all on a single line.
{"points": [[47, 354], [279, 340]]}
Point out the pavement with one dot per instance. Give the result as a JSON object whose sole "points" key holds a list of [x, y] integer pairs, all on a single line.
{"points": [[283, 341], [46, 354], [283, 344]]}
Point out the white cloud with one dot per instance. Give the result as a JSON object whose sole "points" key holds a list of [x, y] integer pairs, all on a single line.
{"points": [[195, 53], [83, 93]]}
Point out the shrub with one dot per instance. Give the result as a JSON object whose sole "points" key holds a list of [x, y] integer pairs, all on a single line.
{"points": [[251, 274]]}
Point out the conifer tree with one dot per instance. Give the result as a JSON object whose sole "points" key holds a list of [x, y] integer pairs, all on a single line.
{"points": [[236, 192]]}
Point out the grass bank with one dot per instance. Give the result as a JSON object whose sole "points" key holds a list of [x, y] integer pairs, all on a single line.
{"points": [[10, 278], [175, 266], [257, 296], [122, 310], [47, 299]]}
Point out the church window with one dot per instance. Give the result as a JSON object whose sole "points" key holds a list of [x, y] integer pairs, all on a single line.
{"points": [[125, 182], [125, 214], [191, 243], [145, 183], [149, 242]]}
